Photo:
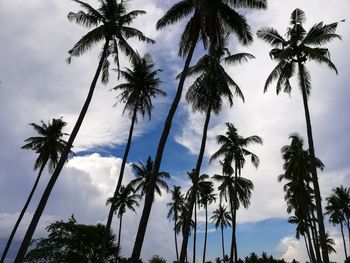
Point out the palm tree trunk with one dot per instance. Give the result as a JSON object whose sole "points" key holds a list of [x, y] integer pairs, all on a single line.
{"points": [[176, 248], [321, 227], [312, 254], [307, 249], [119, 183], [313, 226], [342, 234], [205, 233], [233, 215], [120, 229], [222, 242], [24, 209], [192, 200], [156, 165], [41, 206], [348, 225], [194, 232]]}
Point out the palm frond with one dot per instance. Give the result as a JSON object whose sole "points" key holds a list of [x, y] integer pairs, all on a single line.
{"points": [[271, 36]]}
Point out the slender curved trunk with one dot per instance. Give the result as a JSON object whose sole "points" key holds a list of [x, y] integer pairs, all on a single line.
{"points": [[187, 223], [312, 223], [348, 225], [157, 161], [194, 232], [120, 229], [234, 215], [222, 242], [24, 209], [41, 206], [205, 233], [233, 239], [312, 254], [307, 249], [342, 234], [176, 248], [119, 183], [321, 226]]}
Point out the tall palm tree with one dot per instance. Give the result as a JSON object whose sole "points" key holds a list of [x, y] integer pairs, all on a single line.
{"points": [[238, 191], [49, 146], [110, 23], [207, 92], [233, 150], [137, 93], [221, 218], [125, 199], [176, 206], [210, 22], [206, 197], [338, 208], [298, 193], [292, 53], [199, 185]]}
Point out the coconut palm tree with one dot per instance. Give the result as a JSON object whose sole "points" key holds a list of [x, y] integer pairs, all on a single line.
{"points": [[49, 145], [210, 22], [199, 185], [143, 181], [233, 150], [110, 23], [221, 218], [176, 206], [125, 199], [207, 92], [237, 190], [338, 208], [298, 193], [137, 93], [292, 54], [206, 197]]}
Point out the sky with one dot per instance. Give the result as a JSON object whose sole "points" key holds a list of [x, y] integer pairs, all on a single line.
{"points": [[38, 84]]}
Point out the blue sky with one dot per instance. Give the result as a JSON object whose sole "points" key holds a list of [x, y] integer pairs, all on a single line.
{"points": [[37, 84]]}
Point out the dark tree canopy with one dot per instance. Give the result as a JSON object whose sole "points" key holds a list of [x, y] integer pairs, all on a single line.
{"points": [[69, 242]]}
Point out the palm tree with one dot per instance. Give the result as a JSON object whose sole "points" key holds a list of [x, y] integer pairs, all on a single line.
{"points": [[125, 199], [207, 92], [206, 197], [199, 185], [338, 207], [136, 93], [298, 193], [210, 22], [49, 146], [221, 218], [233, 149], [238, 191], [143, 181], [176, 206], [293, 52], [110, 24]]}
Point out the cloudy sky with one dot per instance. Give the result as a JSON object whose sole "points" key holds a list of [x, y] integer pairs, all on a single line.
{"points": [[37, 84]]}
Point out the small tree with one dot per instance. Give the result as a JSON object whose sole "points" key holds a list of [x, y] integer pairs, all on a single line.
{"points": [[157, 259]]}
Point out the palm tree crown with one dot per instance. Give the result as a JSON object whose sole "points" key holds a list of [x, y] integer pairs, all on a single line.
{"points": [[140, 87], [143, 178], [232, 147], [111, 23], [126, 199], [300, 46], [49, 145], [211, 21], [221, 217]]}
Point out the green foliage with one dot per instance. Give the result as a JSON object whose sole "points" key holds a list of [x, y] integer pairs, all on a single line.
{"points": [[157, 259], [71, 242]]}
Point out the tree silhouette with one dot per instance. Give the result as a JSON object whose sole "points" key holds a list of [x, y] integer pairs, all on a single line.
{"points": [[49, 146], [110, 23], [299, 47]]}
